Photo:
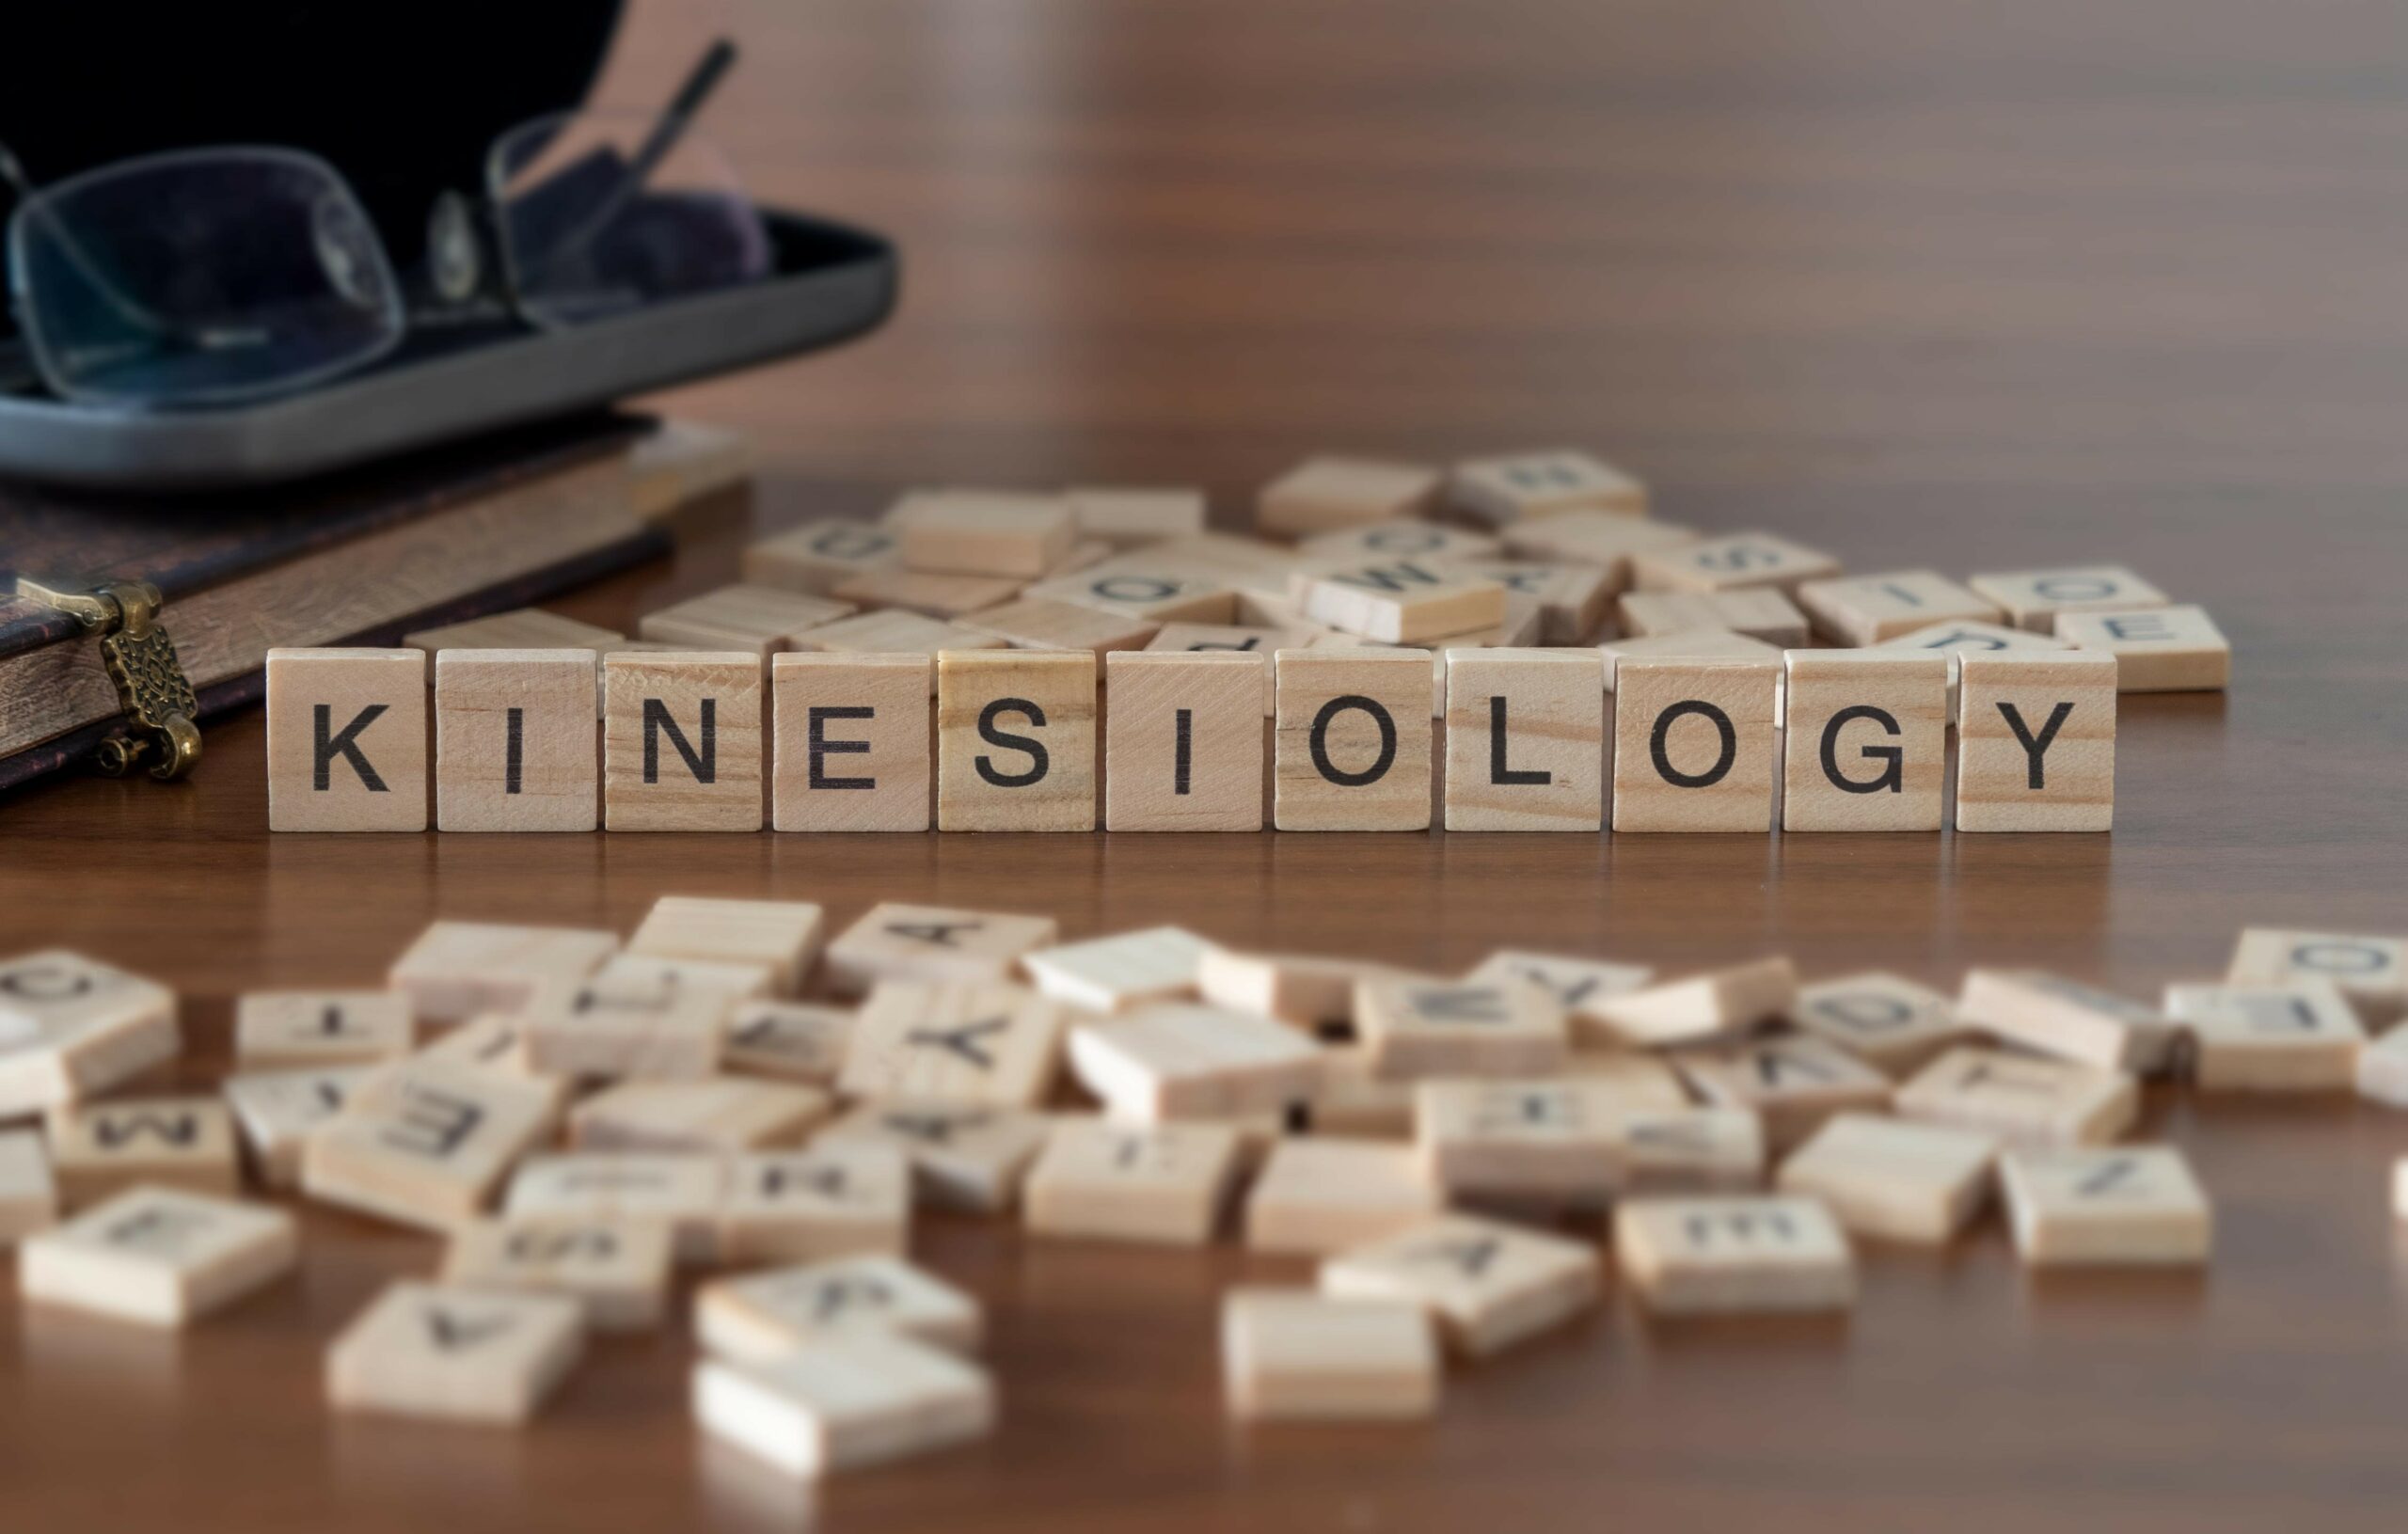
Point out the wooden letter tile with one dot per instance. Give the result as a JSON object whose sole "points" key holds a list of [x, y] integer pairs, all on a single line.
{"points": [[347, 740], [1321, 1195], [2161, 650], [1415, 1029], [28, 1196], [514, 740], [1353, 739], [985, 1042], [1966, 637], [1399, 601], [1183, 1061], [657, 1029], [2033, 598], [1144, 587], [2124, 1207], [1895, 1179], [1016, 740], [1115, 972], [765, 1317], [1132, 516], [426, 1143], [158, 1256], [2052, 1014], [72, 1026], [1883, 1020], [899, 942], [527, 628], [460, 1354], [1579, 986], [1730, 562], [1406, 538], [801, 1041], [1694, 745], [1690, 644], [616, 1270], [1760, 613], [2023, 1099], [1867, 741], [2035, 742], [1794, 1082], [1488, 1285], [1183, 744], [1293, 1355], [1038, 622], [1572, 599], [890, 632], [945, 597], [758, 620], [290, 1029], [1689, 1150], [1537, 1139], [1524, 487], [819, 555], [1873, 610], [1258, 639], [782, 935], [854, 1398], [682, 741], [983, 532], [1323, 495], [2372, 971], [100, 1149], [2299, 1036], [722, 1113], [852, 741], [829, 1201], [1717, 1004], [1160, 1184], [964, 1157], [1525, 740], [456, 970], [681, 1192], [1609, 540], [276, 1110], [1715, 1256]]}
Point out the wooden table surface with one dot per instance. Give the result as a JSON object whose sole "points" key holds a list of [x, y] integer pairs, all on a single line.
{"points": [[1966, 286]]}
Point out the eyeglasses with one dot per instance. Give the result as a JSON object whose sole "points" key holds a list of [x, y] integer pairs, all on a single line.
{"points": [[218, 276]]}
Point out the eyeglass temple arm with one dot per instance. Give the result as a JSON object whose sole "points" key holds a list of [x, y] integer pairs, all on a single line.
{"points": [[29, 205]]}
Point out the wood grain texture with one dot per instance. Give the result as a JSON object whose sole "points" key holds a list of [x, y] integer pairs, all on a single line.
{"points": [[1016, 740], [838, 769], [1943, 287], [681, 741], [1183, 744]]}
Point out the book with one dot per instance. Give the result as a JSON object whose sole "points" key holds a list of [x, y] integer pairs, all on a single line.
{"points": [[355, 559]]}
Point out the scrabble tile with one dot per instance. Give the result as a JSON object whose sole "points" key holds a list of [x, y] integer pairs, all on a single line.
{"points": [[2173, 649], [978, 1041], [1876, 608], [1688, 1150], [945, 597], [765, 1317], [899, 942], [275, 1111], [1157, 1183], [1793, 1082], [494, 1042], [99, 1149], [1867, 741], [426, 1143], [1417, 1028], [1889, 1022], [2023, 1099], [2050, 1014], [2033, 598], [988, 532], [158, 1256], [1016, 746], [963, 1156], [1352, 737], [460, 969], [802, 1041], [1408, 538], [2035, 742], [1144, 587], [852, 742], [1730, 562], [1579, 986], [1183, 743], [28, 1194], [1636, 1080], [526, 628], [1572, 600], [1544, 1139], [1525, 740], [1293, 1355], [728, 979], [1043, 623], [1353, 1102], [347, 740], [1760, 613], [617, 1270], [1119, 971], [1398, 601], [759, 620], [782, 935], [72, 1026], [1702, 1008], [1519, 631], [1966, 637], [1524, 486], [819, 555], [682, 741], [1488, 1285], [1689, 644], [290, 1029], [2299, 1036], [857, 1398], [2128, 1205], [2371, 971], [1178, 1060], [718, 1113], [1323, 1195], [1210, 639], [1612, 540], [1134, 516], [1694, 747], [658, 1030], [889, 633], [1303, 990], [1895, 1179], [1323, 495], [1688, 1256], [804, 1206], [681, 1192], [459, 1354], [514, 740]]}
